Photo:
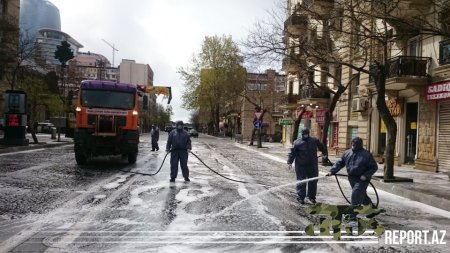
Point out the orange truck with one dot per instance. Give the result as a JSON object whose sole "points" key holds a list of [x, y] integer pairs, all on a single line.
{"points": [[107, 118]]}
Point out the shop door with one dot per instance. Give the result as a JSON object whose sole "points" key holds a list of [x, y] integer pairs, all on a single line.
{"points": [[444, 136], [411, 132]]}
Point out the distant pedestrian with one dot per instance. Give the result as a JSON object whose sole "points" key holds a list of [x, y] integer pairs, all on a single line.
{"points": [[304, 152], [360, 168], [179, 146], [154, 133]]}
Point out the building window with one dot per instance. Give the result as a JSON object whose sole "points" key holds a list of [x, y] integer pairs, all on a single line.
{"points": [[413, 47], [337, 76], [324, 76], [354, 86], [256, 86]]}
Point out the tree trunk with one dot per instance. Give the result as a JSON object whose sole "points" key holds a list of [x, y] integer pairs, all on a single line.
{"points": [[216, 118], [297, 125], [32, 120], [389, 153], [328, 118]]}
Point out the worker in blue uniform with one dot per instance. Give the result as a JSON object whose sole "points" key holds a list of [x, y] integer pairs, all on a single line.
{"points": [[154, 134], [360, 168], [179, 146], [304, 152]]}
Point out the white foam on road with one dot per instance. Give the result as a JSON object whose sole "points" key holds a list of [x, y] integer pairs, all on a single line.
{"points": [[275, 158], [383, 194], [119, 180]]}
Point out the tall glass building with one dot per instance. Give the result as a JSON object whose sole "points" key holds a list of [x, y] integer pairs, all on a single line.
{"points": [[37, 14], [40, 21]]}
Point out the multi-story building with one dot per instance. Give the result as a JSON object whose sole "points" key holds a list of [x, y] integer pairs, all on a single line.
{"points": [[9, 41], [417, 74], [40, 21], [135, 73], [265, 90], [307, 82], [142, 74], [95, 66], [47, 41], [38, 14]]}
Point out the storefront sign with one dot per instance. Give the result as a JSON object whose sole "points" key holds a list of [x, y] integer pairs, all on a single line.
{"points": [[307, 115], [320, 115], [285, 122], [437, 91], [383, 129], [395, 108]]}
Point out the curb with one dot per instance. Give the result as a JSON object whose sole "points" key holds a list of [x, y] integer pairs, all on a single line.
{"points": [[32, 147], [404, 190]]}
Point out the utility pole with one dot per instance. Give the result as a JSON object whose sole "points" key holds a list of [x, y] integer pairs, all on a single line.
{"points": [[113, 50]]}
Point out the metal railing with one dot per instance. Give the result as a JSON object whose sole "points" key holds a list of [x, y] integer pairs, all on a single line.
{"points": [[294, 20], [405, 66], [312, 92], [290, 98]]}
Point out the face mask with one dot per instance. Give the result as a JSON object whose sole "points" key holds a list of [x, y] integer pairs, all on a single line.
{"points": [[179, 127], [305, 136]]}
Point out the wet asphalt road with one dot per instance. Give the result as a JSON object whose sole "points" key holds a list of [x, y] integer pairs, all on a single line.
{"points": [[50, 204]]}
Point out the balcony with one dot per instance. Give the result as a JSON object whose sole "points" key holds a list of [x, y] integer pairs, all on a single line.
{"points": [[404, 71], [289, 101], [296, 25], [291, 64], [313, 95], [443, 70], [320, 7], [410, 8]]}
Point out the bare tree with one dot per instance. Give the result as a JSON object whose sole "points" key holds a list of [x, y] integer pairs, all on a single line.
{"points": [[361, 36]]}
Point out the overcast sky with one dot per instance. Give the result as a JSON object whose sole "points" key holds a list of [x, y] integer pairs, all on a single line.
{"points": [[162, 33]]}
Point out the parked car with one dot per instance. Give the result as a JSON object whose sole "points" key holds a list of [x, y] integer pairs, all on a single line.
{"points": [[168, 127], [192, 132], [45, 127]]}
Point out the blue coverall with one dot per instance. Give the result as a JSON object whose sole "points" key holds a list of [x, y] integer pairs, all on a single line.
{"points": [[155, 137], [178, 142], [359, 162], [304, 152]]}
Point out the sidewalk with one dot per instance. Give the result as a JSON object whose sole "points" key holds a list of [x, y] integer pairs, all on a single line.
{"points": [[45, 141], [427, 187]]}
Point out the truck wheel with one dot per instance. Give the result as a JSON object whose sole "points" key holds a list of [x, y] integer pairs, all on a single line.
{"points": [[132, 157], [80, 157]]}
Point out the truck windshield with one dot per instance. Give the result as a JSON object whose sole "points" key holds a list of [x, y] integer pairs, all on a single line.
{"points": [[107, 99]]}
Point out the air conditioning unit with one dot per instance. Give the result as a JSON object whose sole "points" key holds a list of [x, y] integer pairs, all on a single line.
{"points": [[359, 105]]}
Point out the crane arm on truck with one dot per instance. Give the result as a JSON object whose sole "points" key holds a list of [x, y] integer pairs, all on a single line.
{"points": [[157, 90]]}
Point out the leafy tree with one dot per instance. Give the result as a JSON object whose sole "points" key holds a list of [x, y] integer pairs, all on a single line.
{"points": [[63, 54], [215, 76]]}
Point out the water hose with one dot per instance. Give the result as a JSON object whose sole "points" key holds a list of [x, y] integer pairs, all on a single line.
{"points": [[246, 182], [342, 192], [147, 174], [160, 167]]}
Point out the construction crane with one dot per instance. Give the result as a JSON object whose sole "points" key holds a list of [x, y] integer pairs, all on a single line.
{"points": [[113, 50]]}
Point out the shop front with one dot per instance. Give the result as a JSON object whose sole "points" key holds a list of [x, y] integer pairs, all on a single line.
{"points": [[439, 93]]}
